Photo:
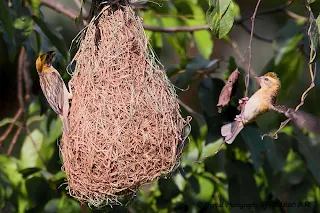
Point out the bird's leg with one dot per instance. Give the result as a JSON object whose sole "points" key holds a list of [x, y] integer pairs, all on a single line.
{"points": [[242, 103]]}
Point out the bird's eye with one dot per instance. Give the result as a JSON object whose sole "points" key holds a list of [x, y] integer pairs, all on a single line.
{"points": [[266, 79]]}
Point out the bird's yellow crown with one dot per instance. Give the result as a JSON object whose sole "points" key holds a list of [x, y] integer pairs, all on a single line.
{"points": [[270, 80], [271, 75], [44, 61]]}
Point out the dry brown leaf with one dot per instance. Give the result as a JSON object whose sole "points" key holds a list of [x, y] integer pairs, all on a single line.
{"points": [[228, 90]]}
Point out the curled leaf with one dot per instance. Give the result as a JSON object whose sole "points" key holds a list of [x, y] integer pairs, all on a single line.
{"points": [[228, 90]]}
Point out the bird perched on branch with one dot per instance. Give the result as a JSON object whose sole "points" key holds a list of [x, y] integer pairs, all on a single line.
{"points": [[53, 87], [260, 102]]}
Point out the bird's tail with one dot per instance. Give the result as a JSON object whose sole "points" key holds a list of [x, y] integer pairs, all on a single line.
{"points": [[65, 123], [231, 130]]}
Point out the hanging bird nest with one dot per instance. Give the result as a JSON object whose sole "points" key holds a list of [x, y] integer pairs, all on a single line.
{"points": [[125, 124]]}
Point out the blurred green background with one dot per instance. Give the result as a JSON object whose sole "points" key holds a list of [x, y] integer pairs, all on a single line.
{"points": [[251, 175]]}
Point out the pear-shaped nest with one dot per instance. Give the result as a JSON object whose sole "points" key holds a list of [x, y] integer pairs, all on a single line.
{"points": [[125, 124]]}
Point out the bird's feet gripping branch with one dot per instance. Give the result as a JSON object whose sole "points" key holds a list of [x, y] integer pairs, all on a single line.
{"points": [[260, 102], [242, 102]]}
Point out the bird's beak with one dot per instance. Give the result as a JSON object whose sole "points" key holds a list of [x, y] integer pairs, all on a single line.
{"points": [[50, 56], [258, 80]]}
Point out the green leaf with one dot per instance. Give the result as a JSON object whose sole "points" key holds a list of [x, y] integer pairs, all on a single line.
{"points": [[168, 190], [295, 169], [208, 92], [204, 43], [20, 195], [23, 28], [287, 39], [35, 5], [179, 181], [38, 189], [62, 205], [277, 151], [6, 188], [192, 67], [220, 17], [174, 41], [289, 70], [210, 149], [79, 19], [6, 20], [29, 153], [206, 187], [16, 4], [29, 171], [236, 10], [201, 38], [318, 25], [54, 38], [242, 185], [252, 136], [310, 149], [6, 25], [314, 32]]}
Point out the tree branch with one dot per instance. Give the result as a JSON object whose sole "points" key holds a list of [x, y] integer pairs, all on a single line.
{"points": [[60, 8], [9, 129], [14, 140], [175, 29], [282, 8]]}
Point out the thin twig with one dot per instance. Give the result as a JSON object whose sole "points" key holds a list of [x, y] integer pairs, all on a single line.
{"points": [[10, 127], [27, 80], [250, 47], [21, 60], [14, 140]]}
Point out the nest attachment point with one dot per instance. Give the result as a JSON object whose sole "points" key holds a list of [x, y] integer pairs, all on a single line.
{"points": [[125, 124]]}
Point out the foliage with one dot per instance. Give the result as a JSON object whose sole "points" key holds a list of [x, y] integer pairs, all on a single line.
{"points": [[249, 175]]}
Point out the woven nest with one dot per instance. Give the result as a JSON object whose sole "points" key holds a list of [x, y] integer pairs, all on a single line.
{"points": [[125, 124]]}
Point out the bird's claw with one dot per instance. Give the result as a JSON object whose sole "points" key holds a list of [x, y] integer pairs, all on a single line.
{"points": [[242, 102], [238, 118], [70, 85]]}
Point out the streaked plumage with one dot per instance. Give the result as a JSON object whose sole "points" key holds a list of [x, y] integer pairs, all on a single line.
{"points": [[260, 102], [53, 87]]}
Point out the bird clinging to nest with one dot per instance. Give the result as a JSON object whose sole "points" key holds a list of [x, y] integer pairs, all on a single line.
{"points": [[53, 87]]}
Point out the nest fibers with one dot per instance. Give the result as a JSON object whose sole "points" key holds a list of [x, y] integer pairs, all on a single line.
{"points": [[125, 125]]}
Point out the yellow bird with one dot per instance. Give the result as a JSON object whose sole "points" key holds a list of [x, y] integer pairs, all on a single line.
{"points": [[260, 102], [53, 87]]}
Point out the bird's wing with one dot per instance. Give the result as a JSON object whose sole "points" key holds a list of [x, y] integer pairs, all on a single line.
{"points": [[52, 87]]}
